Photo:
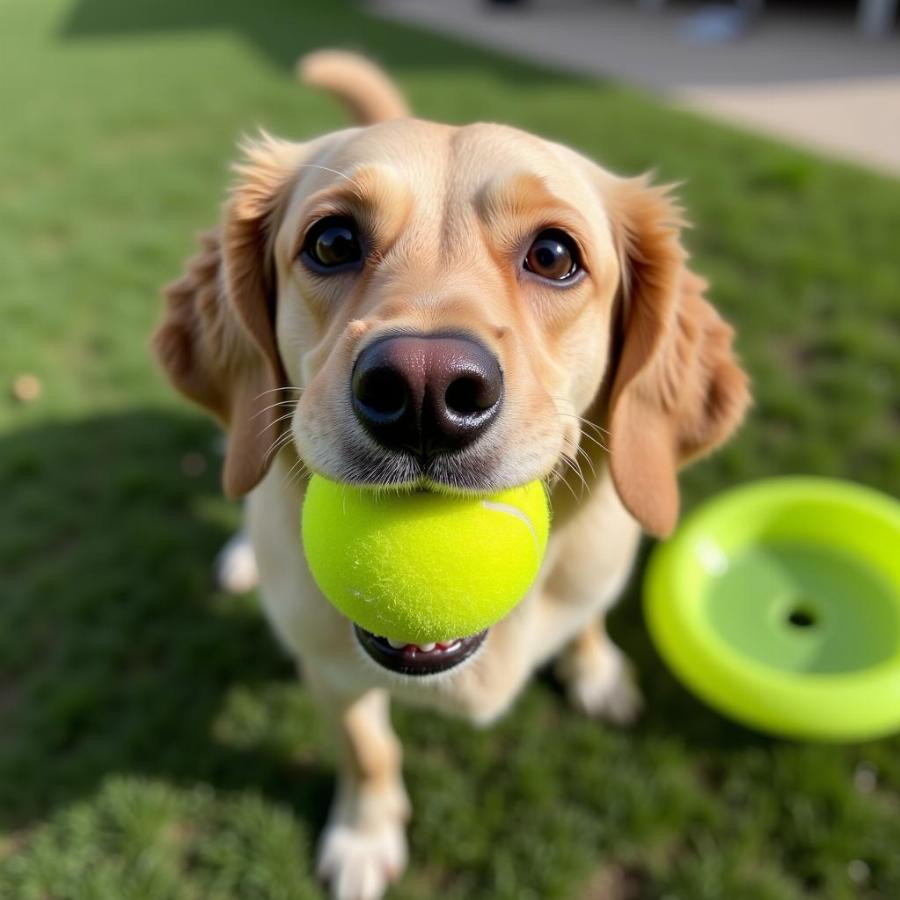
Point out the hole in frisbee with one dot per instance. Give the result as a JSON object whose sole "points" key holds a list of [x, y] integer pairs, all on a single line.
{"points": [[802, 617]]}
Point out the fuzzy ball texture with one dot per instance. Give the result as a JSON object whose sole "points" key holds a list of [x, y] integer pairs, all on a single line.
{"points": [[422, 566]]}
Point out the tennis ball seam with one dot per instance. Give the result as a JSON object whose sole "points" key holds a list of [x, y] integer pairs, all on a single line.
{"points": [[520, 514]]}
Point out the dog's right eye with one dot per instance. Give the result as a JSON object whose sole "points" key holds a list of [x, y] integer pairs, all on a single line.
{"points": [[332, 245]]}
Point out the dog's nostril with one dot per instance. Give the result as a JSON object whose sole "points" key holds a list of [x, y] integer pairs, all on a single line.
{"points": [[382, 391], [469, 395]]}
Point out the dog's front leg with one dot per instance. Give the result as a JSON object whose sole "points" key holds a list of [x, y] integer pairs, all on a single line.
{"points": [[598, 677], [363, 847]]}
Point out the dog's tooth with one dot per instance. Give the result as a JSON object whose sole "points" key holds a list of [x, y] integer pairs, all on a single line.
{"points": [[427, 648], [397, 645]]}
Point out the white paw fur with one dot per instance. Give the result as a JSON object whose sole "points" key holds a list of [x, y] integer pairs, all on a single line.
{"points": [[602, 685], [363, 849], [235, 565]]}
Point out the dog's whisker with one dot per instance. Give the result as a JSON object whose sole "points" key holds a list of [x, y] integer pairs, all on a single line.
{"points": [[277, 444], [576, 468], [327, 169], [594, 427], [274, 422], [586, 434], [596, 441], [284, 387], [274, 406], [566, 462], [295, 473], [587, 457], [563, 480], [274, 450], [586, 422]]}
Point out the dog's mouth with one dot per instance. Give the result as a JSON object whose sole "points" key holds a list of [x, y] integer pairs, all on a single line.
{"points": [[462, 471], [418, 659]]}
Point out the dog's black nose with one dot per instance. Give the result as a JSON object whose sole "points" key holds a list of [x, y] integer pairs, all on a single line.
{"points": [[426, 393]]}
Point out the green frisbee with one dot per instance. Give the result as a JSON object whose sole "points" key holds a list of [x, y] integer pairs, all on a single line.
{"points": [[778, 604]]}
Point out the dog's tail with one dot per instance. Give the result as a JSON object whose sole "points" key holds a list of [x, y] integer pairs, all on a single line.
{"points": [[357, 82]]}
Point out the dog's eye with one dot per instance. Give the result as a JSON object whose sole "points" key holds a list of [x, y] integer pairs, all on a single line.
{"points": [[332, 244], [553, 255]]}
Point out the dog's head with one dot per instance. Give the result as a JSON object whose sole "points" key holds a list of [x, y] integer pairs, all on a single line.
{"points": [[412, 304]]}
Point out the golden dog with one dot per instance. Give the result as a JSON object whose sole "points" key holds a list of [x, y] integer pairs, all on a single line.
{"points": [[410, 303]]}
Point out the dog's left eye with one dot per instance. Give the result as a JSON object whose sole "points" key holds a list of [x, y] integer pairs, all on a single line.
{"points": [[553, 255], [332, 244]]}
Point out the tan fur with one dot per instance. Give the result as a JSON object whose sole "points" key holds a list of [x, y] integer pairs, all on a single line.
{"points": [[371, 96], [678, 392], [448, 212], [211, 356]]}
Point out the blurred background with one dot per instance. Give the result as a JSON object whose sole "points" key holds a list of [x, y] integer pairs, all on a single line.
{"points": [[154, 742]]}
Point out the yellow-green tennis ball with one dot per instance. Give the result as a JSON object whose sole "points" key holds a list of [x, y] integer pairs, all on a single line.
{"points": [[420, 566]]}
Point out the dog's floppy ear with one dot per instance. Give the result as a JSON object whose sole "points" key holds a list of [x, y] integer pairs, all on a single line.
{"points": [[677, 390], [217, 338]]}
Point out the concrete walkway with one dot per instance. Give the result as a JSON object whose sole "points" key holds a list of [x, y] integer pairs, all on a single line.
{"points": [[808, 78]]}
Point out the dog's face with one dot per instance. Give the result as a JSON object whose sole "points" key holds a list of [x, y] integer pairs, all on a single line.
{"points": [[415, 304], [444, 304]]}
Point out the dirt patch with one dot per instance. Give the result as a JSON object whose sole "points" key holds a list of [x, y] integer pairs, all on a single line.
{"points": [[617, 882]]}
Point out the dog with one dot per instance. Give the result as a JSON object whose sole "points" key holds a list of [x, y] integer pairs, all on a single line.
{"points": [[411, 304]]}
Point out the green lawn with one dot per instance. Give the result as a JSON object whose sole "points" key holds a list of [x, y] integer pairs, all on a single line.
{"points": [[153, 742]]}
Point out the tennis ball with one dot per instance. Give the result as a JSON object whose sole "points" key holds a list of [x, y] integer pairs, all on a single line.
{"points": [[421, 566]]}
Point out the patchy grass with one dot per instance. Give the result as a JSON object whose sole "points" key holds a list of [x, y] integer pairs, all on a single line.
{"points": [[153, 742]]}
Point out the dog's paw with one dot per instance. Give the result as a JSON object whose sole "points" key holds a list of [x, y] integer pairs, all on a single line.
{"points": [[235, 566], [603, 686], [363, 848], [360, 863]]}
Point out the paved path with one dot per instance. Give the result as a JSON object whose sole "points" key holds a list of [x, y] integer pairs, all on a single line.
{"points": [[813, 80]]}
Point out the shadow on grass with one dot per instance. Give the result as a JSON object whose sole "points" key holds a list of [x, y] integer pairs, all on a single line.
{"points": [[284, 29], [118, 653]]}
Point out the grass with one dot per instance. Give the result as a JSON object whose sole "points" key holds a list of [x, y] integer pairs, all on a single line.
{"points": [[153, 740]]}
